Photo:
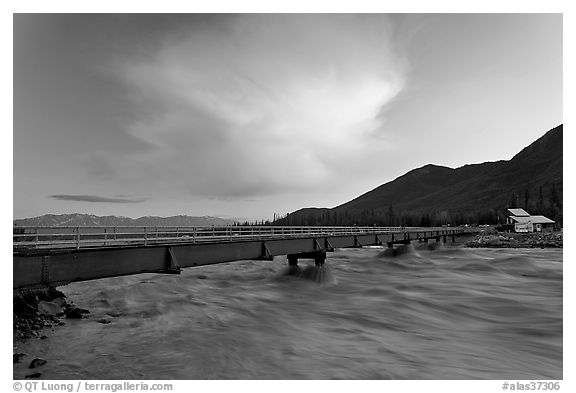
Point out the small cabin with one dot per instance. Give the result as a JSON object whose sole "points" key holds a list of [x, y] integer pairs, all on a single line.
{"points": [[524, 222]]}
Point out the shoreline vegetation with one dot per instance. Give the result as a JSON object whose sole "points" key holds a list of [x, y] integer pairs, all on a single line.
{"points": [[516, 240]]}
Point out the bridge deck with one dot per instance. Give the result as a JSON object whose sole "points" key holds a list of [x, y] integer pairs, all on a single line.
{"points": [[52, 256]]}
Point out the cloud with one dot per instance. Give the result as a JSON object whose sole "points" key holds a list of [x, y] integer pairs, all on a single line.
{"points": [[96, 198], [263, 104]]}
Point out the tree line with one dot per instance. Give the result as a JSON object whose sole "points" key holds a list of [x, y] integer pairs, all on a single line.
{"points": [[545, 201]]}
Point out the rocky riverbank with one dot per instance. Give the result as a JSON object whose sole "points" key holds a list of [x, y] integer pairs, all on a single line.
{"points": [[517, 240], [34, 312]]}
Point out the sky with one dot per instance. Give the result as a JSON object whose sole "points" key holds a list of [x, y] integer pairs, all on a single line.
{"points": [[250, 115]]}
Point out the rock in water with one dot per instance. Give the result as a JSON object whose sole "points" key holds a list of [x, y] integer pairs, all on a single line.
{"points": [[33, 375], [17, 356], [37, 362], [75, 312], [105, 320]]}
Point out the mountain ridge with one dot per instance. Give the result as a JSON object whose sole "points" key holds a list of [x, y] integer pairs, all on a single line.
{"points": [[80, 219], [473, 193]]}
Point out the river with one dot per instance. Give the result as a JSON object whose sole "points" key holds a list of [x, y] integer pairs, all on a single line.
{"points": [[419, 313]]}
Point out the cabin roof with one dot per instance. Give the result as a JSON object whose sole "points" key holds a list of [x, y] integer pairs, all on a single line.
{"points": [[533, 220], [519, 213]]}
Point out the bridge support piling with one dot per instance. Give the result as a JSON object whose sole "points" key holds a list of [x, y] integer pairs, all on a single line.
{"points": [[320, 259], [292, 264], [318, 256], [292, 260]]}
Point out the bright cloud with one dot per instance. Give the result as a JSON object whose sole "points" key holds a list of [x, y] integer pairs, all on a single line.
{"points": [[264, 102]]}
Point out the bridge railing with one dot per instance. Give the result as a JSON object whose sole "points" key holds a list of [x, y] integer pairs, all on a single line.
{"points": [[76, 237]]}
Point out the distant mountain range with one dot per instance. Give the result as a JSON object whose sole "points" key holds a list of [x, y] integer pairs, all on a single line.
{"points": [[430, 195], [92, 220], [474, 194]]}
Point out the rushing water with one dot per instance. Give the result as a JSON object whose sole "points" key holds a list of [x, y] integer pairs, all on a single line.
{"points": [[448, 313]]}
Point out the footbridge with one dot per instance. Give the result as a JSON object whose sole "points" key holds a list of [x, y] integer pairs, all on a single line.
{"points": [[54, 256]]}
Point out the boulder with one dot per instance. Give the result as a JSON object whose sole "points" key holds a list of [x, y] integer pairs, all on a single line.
{"points": [[74, 312], [60, 301], [49, 308], [37, 362], [17, 356], [25, 306], [105, 319]]}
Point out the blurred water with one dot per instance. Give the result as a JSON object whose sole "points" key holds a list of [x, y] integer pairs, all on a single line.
{"points": [[417, 313]]}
